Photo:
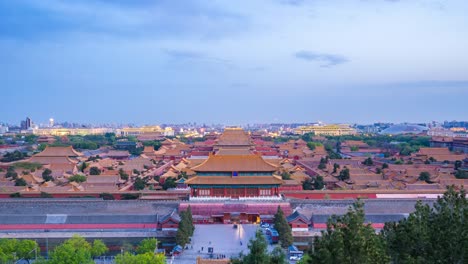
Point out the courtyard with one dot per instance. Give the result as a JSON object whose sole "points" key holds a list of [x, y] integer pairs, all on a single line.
{"points": [[224, 239]]}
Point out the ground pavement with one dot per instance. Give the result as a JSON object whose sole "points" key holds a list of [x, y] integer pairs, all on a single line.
{"points": [[224, 239]]}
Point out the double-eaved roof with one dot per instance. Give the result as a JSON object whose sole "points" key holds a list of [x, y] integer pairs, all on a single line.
{"points": [[237, 163], [58, 152], [234, 180]]}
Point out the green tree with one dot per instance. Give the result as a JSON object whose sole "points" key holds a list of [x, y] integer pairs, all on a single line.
{"points": [[139, 184], [123, 175], [431, 235], [20, 182], [461, 174], [283, 228], [186, 227], [424, 176], [130, 196], [277, 256], [368, 162], [46, 195], [458, 164], [384, 166], [169, 183], [77, 178], [318, 183], [348, 240], [11, 173], [307, 184], [94, 171], [83, 166], [323, 163], [16, 195], [47, 175], [98, 248], [258, 253], [336, 166], [344, 174], [146, 258], [285, 175], [107, 196], [148, 245], [13, 250], [75, 250]]}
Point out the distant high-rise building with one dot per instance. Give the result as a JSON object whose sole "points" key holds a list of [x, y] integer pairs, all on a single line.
{"points": [[51, 122], [26, 124]]}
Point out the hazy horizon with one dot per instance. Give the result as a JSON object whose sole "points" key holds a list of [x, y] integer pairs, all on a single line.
{"points": [[234, 62]]}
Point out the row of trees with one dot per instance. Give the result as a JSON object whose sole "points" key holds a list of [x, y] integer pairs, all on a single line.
{"points": [[13, 156], [437, 234], [186, 227], [77, 250]]}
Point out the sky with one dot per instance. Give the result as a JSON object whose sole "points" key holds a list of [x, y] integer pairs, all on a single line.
{"points": [[233, 62]]}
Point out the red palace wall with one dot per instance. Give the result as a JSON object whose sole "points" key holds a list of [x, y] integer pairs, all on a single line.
{"points": [[329, 195]]}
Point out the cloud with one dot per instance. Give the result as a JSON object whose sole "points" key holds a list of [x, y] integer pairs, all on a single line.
{"points": [[183, 54], [326, 60]]}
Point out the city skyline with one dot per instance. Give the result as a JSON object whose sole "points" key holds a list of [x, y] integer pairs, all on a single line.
{"points": [[224, 62]]}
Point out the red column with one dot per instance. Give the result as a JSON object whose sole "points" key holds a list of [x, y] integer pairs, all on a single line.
{"points": [[245, 191], [224, 190], [211, 192]]}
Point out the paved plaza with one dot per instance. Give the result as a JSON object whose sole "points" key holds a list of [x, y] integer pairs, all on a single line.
{"points": [[224, 239]]}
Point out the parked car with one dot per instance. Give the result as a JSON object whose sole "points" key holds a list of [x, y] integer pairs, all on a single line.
{"points": [[264, 225], [294, 258]]}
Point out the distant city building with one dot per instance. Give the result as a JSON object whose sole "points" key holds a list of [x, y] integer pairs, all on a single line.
{"points": [[404, 129], [71, 131], [51, 122], [3, 129], [326, 130], [26, 124], [136, 131], [452, 132]]}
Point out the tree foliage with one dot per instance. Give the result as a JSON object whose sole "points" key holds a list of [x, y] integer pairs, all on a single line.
{"points": [[348, 240], [77, 250], [20, 182], [258, 253], [424, 176], [77, 178], [186, 227], [13, 249], [169, 183], [139, 184], [94, 171], [107, 196], [123, 175], [431, 235], [368, 162], [148, 245], [284, 230], [13, 156], [146, 258], [461, 174], [47, 175], [318, 183], [344, 174]]}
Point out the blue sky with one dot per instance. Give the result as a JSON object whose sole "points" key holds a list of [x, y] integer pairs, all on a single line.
{"points": [[233, 62]]}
